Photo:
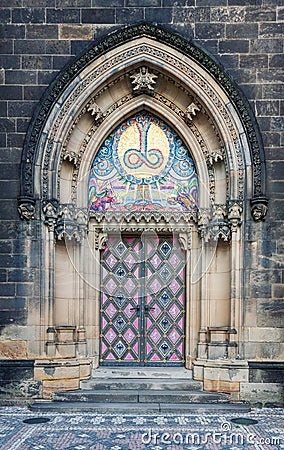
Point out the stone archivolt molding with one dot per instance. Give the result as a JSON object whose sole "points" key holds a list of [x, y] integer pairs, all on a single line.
{"points": [[43, 153], [90, 136]]}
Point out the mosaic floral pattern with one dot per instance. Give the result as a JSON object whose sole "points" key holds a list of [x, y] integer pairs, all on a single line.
{"points": [[143, 165], [142, 301], [96, 431]]}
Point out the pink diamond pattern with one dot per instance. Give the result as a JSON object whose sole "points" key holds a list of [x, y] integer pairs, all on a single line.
{"points": [[174, 260], [129, 335], [129, 285], [110, 335], [156, 261], [129, 261], [111, 310], [155, 286], [174, 336], [174, 286], [174, 311], [111, 285], [156, 311], [111, 261], [155, 335]]}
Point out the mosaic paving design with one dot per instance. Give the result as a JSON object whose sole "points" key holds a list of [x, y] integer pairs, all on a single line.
{"points": [[142, 301], [92, 431], [143, 165]]}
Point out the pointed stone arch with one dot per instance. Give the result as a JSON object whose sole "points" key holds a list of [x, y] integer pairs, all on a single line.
{"points": [[166, 52]]}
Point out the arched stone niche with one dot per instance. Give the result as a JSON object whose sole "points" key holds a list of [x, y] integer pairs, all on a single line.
{"points": [[143, 68]]}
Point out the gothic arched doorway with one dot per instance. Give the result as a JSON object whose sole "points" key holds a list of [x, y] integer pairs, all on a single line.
{"points": [[189, 187]]}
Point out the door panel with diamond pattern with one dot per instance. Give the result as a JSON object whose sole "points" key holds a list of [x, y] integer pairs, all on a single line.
{"points": [[142, 301]]}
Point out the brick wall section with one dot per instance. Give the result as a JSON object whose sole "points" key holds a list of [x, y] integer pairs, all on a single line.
{"points": [[38, 37]]}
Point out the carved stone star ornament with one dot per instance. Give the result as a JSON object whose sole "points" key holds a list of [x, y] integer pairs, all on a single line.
{"points": [[143, 80]]}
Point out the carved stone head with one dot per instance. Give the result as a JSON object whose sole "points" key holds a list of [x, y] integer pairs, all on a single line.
{"points": [[259, 207]]}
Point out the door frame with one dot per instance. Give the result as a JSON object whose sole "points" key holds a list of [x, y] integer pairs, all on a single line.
{"points": [[142, 317]]}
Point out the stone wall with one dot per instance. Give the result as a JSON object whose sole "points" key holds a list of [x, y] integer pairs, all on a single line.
{"points": [[39, 37]]}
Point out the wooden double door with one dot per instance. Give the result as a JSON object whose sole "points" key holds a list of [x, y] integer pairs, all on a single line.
{"points": [[142, 301]]}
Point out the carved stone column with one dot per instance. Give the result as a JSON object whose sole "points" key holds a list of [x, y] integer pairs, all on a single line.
{"points": [[100, 238], [50, 210], [234, 216], [203, 221]]}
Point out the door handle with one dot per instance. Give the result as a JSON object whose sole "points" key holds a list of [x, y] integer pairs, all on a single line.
{"points": [[148, 308], [135, 308]]}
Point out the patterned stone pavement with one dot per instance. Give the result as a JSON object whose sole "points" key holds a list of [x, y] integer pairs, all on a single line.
{"points": [[94, 431]]}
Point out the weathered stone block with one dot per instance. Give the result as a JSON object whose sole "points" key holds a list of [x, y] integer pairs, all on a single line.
{"points": [[13, 349], [17, 380], [234, 46], [75, 31], [85, 370], [261, 14], [6, 46], [278, 291], [270, 30], [66, 15], [117, 3], [270, 313], [129, 15], [28, 15], [51, 372], [242, 30], [266, 394], [265, 334], [42, 31], [58, 47], [138, 2], [241, 3], [36, 62], [50, 386], [266, 46], [221, 386], [159, 15], [266, 372], [226, 374], [5, 16], [12, 31], [33, 92], [98, 15], [267, 107], [9, 62], [175, 3], [253, 61], [209, 31], [211, 3]]}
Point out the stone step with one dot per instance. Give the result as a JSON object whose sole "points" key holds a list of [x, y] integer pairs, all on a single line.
{"points": [[140, 396], [140, 408], [163, 384], [142, 372]]}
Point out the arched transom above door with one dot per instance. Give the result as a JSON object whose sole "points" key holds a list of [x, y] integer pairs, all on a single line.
{"points": [[143, 166]]}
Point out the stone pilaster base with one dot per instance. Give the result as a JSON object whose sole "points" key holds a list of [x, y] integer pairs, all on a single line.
{"points": [[221, 375], [61, 375]]}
